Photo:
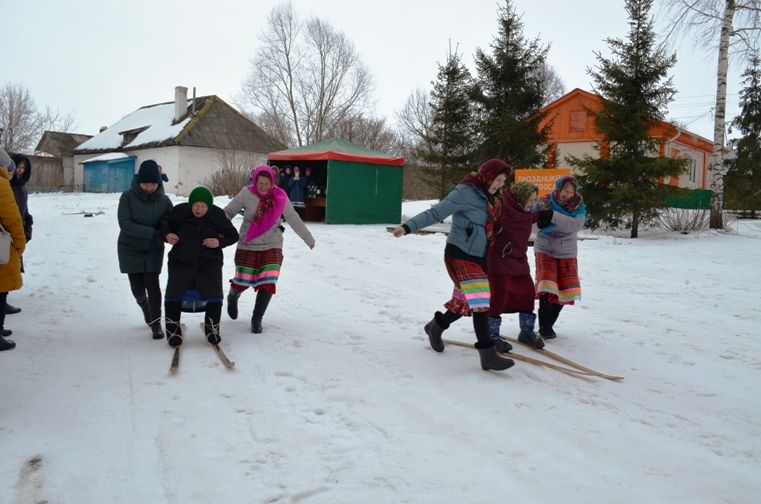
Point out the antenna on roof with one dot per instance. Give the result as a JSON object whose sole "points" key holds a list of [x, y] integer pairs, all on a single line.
{"points": [[193, 105]]}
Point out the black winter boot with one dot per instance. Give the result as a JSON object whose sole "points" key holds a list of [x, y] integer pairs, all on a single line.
{"points": [[173, 334], [232, 303], [6, 344], [490, 359], [146, 307], [212, 333], [158, 333], [547, 318], [262, 300]]}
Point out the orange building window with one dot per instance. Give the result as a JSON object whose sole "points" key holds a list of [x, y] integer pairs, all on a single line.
{"points": [[578, 121]]}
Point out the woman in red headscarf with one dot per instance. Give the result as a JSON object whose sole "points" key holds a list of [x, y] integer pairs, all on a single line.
{"points": [[475, 206], [259, 255]]}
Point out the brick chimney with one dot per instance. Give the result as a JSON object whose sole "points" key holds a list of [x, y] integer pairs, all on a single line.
{"points": [[180, 103]]}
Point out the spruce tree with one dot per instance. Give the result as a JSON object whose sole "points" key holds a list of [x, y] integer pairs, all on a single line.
{"points": [[509, 93], [743, 187], [450, 138], [621, 187]]}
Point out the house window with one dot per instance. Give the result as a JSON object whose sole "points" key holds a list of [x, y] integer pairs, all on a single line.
{"points": [[578, 121], [693, 170]]}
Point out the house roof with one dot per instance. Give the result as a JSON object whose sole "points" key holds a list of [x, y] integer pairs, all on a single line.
{"points": [[215, 124], [661, 129], [59, 143], [338, 149], [111, 156]]}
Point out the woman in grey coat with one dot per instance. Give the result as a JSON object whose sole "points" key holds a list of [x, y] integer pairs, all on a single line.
{"points": [[475, 205], [141, 245], [259, 255], [563, 214]]}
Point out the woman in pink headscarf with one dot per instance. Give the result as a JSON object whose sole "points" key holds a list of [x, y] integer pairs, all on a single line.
{"points": [[259, 255]]}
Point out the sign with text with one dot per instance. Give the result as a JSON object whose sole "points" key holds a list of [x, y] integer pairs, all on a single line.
{"points": [[544, 179]]}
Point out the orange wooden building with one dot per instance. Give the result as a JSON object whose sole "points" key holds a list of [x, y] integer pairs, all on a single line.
{"points": [[573, 132]]}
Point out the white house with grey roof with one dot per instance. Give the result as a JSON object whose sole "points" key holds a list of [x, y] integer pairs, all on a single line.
{"points": [[189, 138]]}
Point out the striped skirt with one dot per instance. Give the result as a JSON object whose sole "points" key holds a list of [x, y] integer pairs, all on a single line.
{"points": [[471, 287], [558, 279], [259, 269]]}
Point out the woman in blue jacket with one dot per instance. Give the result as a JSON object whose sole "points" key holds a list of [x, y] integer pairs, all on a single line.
{"points": [[475, 206]]}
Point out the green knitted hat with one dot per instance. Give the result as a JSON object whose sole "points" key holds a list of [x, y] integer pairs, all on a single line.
{"points": [[201, 193], [521, 192]]}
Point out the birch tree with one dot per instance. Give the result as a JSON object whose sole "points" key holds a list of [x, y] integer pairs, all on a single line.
{"points": [[730, 27]]}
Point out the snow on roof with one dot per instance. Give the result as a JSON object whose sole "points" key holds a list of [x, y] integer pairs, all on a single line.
{"points": [[107, 157], [156, 119]]}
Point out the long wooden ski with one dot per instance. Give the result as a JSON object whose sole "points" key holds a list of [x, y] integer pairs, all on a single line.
{"points": [[565, 360], [223, 357], [175, 361], [220, 353], [576, 373]]}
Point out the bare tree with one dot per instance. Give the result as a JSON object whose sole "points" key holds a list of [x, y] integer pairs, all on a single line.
{"points": [[19, 119], [554, 87], [234, 173], [21, 123], [414, 122], [305, 79], [370, 133], [729, 25]]}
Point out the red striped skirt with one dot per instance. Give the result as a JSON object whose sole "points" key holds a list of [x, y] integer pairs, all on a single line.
{"points": [[259, 269], [558, 279], [471, 287]]}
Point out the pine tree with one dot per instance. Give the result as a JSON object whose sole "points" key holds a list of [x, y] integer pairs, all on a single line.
{"points": [[450, 138], [621, 188], [743, 187], [509, 94]]}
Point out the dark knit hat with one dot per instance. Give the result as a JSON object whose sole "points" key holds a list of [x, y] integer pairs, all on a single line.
{"points": [[149, 172], [201, 193]]}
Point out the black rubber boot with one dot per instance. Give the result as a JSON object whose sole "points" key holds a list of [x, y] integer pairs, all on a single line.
{"points": [[232, 303], [490, 359], [262, 300], [146, 307]]}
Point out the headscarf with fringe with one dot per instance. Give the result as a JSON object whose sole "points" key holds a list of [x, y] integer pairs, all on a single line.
{"points": [[572, 208], [271, 204]]}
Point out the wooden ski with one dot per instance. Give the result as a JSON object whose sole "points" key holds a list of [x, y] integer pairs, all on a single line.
{"points": [[220, 353], [175, 361], [223, 357], [576, 373], [565, 360]]}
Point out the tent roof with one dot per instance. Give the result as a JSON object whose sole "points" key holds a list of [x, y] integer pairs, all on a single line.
{"points": [[338, 149]]}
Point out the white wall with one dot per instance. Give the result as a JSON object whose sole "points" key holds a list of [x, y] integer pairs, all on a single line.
{"points": [[578, 149], [197, 164], [186, 167]]}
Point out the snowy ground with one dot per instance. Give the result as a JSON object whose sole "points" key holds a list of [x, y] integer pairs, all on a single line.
{"points": [[341, 400]]}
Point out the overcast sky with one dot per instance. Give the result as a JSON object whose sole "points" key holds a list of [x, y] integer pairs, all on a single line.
{"points": [[103, 59]]}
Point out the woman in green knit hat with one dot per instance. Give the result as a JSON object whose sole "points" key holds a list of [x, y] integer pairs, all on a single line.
{"points": [[198, 231]]}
